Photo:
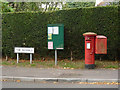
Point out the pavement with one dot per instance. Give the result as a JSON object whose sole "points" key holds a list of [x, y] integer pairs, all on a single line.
{"points": [[13, 73]]}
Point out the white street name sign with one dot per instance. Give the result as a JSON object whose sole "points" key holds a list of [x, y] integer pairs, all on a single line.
{"points": [[23, 50]]}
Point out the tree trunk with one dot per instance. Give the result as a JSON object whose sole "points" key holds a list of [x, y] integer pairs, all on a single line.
{"points": [[46, 6], [55, 5], [6, 58], [71, 56], [100, 59]]}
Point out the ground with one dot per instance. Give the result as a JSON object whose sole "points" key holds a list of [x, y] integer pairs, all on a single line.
{"points": [[64, 64]]}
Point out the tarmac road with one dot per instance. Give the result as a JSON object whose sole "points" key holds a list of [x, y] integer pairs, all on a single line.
{"points": [[9, 84]]}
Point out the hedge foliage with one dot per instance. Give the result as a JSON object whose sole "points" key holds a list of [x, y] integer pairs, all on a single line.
{"points": [[29, 29]]}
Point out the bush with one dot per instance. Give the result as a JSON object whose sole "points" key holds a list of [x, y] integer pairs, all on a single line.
{"points": [[29, 29]]}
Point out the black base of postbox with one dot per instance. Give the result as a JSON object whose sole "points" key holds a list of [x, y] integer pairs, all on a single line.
{"points": [[89, 66]]}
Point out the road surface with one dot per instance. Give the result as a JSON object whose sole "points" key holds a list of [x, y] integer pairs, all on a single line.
{"points": [[9, 84]]}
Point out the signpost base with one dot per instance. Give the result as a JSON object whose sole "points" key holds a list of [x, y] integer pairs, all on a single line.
{"points": [[17, 58], [30, 58]]}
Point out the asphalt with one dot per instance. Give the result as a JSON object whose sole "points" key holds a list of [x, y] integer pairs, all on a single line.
{"points": [[59, 75]]}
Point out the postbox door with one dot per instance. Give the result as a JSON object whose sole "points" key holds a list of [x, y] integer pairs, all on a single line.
{"points": [[89, 52]]}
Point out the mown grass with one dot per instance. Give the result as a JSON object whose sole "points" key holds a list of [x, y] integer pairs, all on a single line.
{"points": [[5, 63], [107, 64], [66, 64]]}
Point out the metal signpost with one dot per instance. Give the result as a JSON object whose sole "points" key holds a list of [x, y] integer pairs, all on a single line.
{"points": [[55, 57], [55, 34], [24, 50]]}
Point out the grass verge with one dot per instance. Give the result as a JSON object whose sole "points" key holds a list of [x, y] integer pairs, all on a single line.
{"points": [[64, 64]]}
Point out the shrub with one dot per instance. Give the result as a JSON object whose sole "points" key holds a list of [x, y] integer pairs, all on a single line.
{"points": [[29, 29]]}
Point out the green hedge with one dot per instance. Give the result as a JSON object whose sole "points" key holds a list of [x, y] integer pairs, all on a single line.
{"points": [[29, 29]]}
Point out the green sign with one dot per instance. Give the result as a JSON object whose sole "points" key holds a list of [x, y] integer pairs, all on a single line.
{"points": [[55, 34]]}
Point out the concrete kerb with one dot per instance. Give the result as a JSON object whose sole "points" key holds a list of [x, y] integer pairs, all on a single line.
{"points": [[46, 79], [7, 78], [72, 80], [24, 79], [34, 79], [102, 80]]}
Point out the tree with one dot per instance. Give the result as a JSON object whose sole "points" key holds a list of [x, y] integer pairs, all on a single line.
{"points": [[115, 3], [52, 6], [24, 6], [5, 7], [78, 4], [32, 6]]}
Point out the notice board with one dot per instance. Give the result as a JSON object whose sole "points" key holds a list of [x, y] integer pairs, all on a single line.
{"points": [[55, 33]]}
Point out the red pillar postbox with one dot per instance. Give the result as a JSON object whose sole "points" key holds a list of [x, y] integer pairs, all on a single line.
{"points": [[89, 50], [94, 44]]}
